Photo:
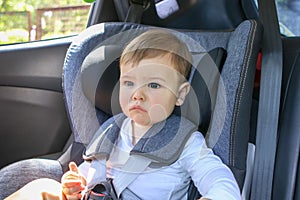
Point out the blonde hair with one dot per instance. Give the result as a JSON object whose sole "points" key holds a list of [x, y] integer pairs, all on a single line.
{"points": [[155, 43]]}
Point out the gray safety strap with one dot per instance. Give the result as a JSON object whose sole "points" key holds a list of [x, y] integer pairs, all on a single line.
{"points": [[121, 9], [96, 173], [269, 102], [133, 167], [135, 13]]}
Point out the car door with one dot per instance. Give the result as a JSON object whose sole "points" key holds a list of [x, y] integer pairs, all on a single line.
{"points": [[33, 120]]}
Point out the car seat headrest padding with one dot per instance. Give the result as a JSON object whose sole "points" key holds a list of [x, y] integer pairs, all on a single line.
{"points": [[100, 75]]}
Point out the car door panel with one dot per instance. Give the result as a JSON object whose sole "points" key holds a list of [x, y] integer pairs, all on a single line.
{"points": [[33, 120]]}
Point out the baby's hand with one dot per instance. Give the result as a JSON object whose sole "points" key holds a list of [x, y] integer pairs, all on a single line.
{"points": [[72, 183]]}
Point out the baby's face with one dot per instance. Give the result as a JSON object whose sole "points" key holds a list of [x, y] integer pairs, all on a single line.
{"points": [[149, 90]]}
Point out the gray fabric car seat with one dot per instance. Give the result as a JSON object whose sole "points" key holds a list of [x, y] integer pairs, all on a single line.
{"points": [[229, 113]]}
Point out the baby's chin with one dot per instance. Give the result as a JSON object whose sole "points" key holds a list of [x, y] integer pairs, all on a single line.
{"points": [[141, 120], [148, 122], [154, 115]]}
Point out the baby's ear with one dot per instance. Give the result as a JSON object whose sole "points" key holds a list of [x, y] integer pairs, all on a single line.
{"points": [[184, 89]]}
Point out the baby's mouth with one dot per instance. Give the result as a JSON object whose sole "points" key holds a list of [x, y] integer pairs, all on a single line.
{"points": [[138, 108]]}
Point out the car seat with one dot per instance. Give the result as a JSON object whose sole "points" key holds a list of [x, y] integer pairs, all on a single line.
{"points": [[225, 122]]}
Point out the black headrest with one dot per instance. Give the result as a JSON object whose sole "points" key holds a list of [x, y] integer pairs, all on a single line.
{"points": [[100, 75]]}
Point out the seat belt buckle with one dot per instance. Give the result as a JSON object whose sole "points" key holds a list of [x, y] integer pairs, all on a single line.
{"points": [[102, 191]]}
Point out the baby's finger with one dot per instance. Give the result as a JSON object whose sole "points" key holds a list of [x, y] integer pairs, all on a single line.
{"points": [[74, 197], [70, 176], [72, 190], [71, 183], [73, 167]]}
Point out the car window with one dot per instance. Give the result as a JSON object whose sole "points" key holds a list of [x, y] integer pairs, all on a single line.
{"points": [[288, 16], [30, 20]]}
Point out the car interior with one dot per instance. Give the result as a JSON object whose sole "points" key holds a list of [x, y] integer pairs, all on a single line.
{"points": [[56, 94]]}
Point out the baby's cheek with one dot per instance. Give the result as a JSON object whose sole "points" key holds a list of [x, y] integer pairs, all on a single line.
{"points": [[157, 113], [124, 100]]}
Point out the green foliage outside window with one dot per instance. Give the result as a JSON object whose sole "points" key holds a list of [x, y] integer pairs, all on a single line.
{"points": [[20, 22]]}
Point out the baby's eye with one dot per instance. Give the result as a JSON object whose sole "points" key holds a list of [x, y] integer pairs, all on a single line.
{"points": [[154, 85], [128, 83]]}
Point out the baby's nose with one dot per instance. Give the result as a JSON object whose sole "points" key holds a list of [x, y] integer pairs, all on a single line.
{"points": [[139, 95]]}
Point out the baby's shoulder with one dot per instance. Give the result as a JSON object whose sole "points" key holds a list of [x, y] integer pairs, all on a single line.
{"points": [[196, 138]]}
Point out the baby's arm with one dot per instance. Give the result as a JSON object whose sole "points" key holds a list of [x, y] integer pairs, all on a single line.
{"points": [[73, 183], [213, 179]]}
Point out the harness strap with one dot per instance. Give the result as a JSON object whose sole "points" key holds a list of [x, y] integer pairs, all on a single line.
{"points": [[133, 167], [96, 173], [128, 194], [162, 143], [161, 146]]}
